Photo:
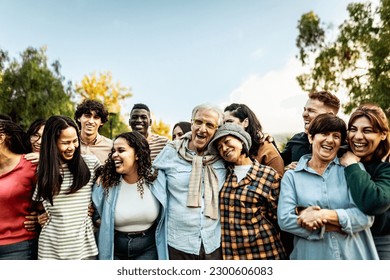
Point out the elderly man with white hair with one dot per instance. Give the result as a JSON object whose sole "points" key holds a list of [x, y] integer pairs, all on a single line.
{"points": [[191, 179]]}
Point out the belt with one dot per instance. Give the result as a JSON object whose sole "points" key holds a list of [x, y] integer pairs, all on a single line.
{"points": [[134, 234]]}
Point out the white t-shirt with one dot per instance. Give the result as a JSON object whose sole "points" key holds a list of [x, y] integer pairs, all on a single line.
{"points": [[241, 171], [133, 213]]}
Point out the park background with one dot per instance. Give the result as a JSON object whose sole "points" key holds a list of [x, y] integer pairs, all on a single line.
{"points": [[173, 55]]}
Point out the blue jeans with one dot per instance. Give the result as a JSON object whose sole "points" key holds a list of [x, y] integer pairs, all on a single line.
{"points": [[25, 250], [135, 247]]}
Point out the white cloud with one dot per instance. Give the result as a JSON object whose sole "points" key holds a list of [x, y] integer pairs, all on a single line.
{"points": [[276, 98], [257, 54]]}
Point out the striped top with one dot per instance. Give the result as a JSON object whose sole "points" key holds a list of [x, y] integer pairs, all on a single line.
{"points": [[156, 144], [68, 233]]}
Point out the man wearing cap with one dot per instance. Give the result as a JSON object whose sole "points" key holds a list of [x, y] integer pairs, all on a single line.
{"points": [[248, 199], [191, 179]]}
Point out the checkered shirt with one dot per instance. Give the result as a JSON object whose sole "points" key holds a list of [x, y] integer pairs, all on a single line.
{"points": [[247, 209]]}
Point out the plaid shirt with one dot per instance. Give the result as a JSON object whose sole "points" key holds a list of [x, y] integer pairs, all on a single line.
{"points": [[247, 209]]}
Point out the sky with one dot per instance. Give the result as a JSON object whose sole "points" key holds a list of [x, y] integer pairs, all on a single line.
{"points": [[176, 54]]}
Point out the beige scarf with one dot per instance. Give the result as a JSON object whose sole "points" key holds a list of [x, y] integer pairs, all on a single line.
{"points": [[211, 186]]}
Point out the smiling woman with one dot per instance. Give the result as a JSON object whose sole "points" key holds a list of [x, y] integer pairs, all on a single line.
{"points": [[248, 199], [63, 190], [315, 204], [369, 140], [131, 210]]}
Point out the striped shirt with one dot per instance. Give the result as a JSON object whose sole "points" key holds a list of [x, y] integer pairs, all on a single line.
{"points": [[156, 144], [247, 210], [68, 233]]}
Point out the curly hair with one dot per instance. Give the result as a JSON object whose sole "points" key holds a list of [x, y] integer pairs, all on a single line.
{"points": [[107, 172], [89, 105], [15, 138]]}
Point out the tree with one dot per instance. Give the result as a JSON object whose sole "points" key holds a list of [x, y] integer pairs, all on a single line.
{"points": [[30, 89], [161, 128], [357, 61], [103, 89]]}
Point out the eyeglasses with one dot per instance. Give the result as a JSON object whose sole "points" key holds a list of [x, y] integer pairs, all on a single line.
{"points": [[35, 137], [198, 123]]}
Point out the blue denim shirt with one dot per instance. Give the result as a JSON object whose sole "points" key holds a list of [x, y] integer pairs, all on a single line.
{"points": [[105, 206], [304, 187], [188, 228]]}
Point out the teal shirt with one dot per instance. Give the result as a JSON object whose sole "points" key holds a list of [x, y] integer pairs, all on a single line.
{"points": [[370, 189]]}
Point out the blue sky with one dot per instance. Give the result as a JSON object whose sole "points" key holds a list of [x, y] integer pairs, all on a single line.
{"points": [[176, 54]]}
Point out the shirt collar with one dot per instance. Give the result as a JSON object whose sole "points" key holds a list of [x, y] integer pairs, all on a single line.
{"points": [[302, 164], [94, 141]]}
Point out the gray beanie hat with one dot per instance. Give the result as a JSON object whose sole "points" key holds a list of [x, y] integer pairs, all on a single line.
{"points": [[230, 129]]}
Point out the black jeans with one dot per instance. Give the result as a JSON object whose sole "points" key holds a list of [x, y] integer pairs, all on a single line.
{"points": [[175, 254]]}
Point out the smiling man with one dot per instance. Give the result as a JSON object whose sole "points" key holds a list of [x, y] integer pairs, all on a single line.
{"points": [[140, 121], [193, 179], [299, 145], [90, 116], [318, 103]]}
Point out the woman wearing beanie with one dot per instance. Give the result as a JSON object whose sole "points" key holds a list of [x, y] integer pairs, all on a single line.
{"points": [[248, 199]]}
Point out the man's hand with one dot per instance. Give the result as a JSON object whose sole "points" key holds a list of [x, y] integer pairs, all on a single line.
{"points": [[31, 221], [42, 219]]}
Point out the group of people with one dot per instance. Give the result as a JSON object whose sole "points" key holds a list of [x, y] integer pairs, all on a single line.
{"points": [[221, 189]]}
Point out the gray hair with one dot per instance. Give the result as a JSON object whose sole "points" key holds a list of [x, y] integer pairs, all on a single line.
{"points": [[210, 107]]}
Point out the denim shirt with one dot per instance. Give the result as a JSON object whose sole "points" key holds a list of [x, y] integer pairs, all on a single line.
{"points": [[105, 206], [305, 187], [188, 228]]}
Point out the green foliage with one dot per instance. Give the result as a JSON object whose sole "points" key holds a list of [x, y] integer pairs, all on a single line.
{"points": [[30, 89], [311, 35], [357, 61], [114, 126]]}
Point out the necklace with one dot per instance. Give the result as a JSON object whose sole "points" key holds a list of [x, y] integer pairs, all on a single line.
{"points": [[140, 187]]}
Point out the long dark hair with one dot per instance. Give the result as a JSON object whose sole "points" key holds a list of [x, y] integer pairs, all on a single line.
{"points": [[15, 139], [184, 126], [378, 120], [49, 168], [254, 128], [33, 129], [107, 172]]}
